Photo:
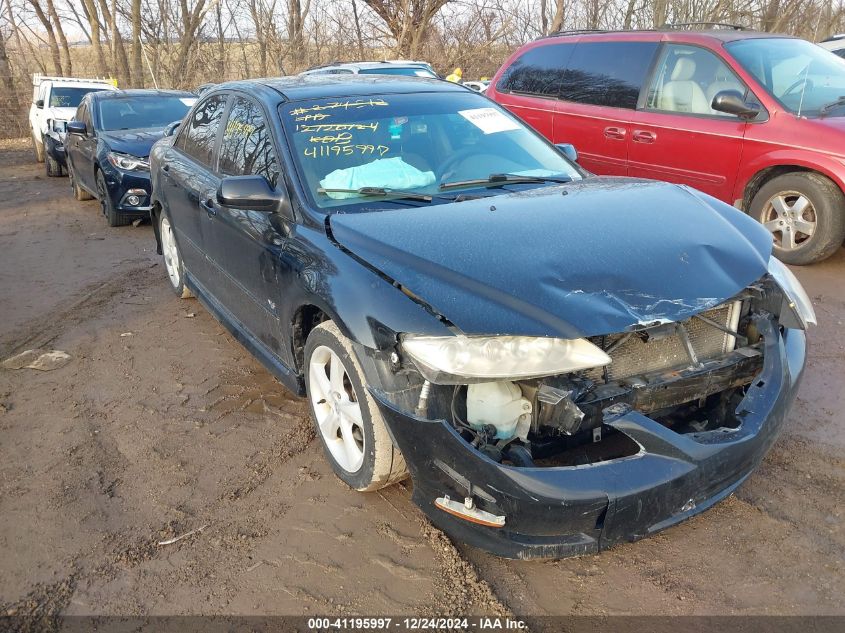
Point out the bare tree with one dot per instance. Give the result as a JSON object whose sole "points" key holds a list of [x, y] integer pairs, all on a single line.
{"points": [[407, 21]]}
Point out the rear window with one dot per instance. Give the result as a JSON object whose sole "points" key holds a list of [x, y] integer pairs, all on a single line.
{"points": [[410, 71], [597, 73]]}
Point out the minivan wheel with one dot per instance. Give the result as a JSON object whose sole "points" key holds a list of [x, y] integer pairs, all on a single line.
{"points": [[349, 423], [78, 192], [805, 212], [172, 258]]}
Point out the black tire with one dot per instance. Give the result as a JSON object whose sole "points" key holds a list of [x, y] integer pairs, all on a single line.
{"points": [[383, 464], [173, 264], [778, 205], [78, 192], [39, 150], [107, 205], [51, 165]]}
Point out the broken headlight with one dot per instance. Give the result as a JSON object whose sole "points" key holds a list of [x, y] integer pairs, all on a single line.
{"points": [[127, 162], [463, 359], [795, 296]]}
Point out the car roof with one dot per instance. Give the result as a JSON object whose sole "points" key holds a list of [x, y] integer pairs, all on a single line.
{"points": [[321, 86], [728, 34], [141, 92]]}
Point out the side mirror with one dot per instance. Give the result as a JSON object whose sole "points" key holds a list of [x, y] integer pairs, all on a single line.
{"points": [[39, 103], [253, 192], [171, 128], [568, 150], [732, 102], [76, 127]]}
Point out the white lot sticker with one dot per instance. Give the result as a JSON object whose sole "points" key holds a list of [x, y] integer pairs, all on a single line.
{"points": [[489, 120]]}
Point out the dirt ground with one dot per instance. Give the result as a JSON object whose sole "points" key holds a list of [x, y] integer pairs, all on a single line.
{"points": [[161, 423]]}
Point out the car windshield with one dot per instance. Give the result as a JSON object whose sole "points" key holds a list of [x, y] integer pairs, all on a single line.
{"points": [[415, 148], [804, 78], [69, 97], [412, 71], [136, 112]]}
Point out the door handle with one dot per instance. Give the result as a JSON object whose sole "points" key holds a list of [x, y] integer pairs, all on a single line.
{"points": [[165, 167], [209, 207], [643, 136], [615, 133]]}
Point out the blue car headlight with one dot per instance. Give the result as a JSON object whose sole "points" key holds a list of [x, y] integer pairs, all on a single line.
{"points": [[795, 296], [127, 162]]}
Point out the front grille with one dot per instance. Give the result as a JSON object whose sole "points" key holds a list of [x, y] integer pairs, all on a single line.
{"points": [[638, 356]]}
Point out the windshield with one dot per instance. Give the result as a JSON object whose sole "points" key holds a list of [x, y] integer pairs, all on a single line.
{"points": [[427, 143], [133, 113], [412, 71], [65, 97], [803, 77]]}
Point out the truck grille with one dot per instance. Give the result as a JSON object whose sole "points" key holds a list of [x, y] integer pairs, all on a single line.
{"points": [[640, 355]]}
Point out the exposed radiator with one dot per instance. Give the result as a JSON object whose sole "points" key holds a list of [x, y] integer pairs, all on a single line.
{"points": [[638, 356]]}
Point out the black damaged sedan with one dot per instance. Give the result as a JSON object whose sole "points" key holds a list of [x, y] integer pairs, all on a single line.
{"points": [[560, 362]]}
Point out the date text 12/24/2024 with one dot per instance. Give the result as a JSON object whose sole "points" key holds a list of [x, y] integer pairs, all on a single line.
{"points": [[481, 623]]}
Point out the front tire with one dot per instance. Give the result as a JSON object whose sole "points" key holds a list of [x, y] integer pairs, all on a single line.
{"points": [[78, 192], [349, 423], [51, 165], [172, 258], [107, 205], [805, 212]]}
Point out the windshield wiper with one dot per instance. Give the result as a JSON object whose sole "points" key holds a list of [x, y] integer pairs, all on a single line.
{"points": [[497, 180], [840, 101], [381, 192]]}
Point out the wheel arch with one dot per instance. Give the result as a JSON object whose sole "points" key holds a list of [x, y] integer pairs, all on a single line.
{"points": [[760, 174]]}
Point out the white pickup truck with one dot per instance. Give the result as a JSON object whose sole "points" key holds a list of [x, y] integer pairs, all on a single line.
{"points": [[54, 103]]}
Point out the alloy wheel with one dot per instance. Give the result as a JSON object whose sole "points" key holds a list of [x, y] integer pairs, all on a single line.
{"points": [[336, 408], [791, 218], [170, 251]]}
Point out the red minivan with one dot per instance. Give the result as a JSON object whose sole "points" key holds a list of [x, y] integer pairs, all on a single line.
{"points": [[754, 119]]}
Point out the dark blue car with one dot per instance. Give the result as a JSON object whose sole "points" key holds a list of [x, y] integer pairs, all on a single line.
{"points": [[108, 146], [559, 361]]}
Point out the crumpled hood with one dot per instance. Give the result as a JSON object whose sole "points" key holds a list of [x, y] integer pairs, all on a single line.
{"points": [[134, 142], [582, 259], [56, 113]]}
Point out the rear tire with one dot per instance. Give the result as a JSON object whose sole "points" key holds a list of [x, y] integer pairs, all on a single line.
{"points": [[805, 212], [347, 419], [172, 258], [51, 165], [78, 192], [107, 205]]}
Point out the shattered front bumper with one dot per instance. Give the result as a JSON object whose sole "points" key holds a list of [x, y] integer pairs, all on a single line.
{"points": [[557, 512]]}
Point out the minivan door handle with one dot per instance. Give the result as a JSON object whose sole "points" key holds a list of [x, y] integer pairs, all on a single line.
{"points": [[643, 136], [615, 133]]}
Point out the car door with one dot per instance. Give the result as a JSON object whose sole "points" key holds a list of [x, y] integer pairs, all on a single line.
{"points": [[188, 179], [598, 95], [676, 136], [247, 244], [85, 151]]}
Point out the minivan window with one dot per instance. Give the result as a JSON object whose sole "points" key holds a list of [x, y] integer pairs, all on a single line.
{"points": [[607, 73], [197, 138], [247, 147], [538, 71], [686, 80], [803, 77]]}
